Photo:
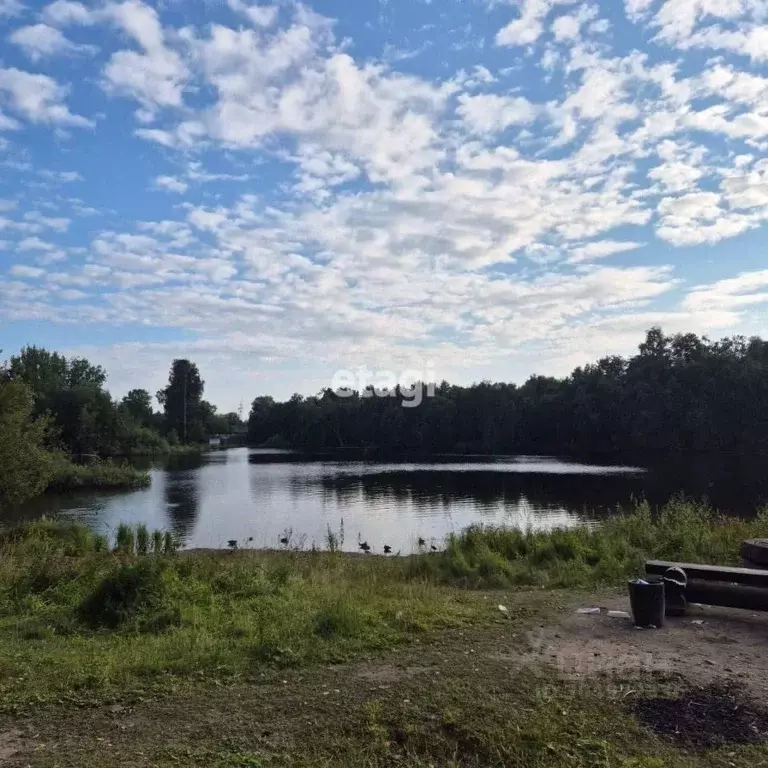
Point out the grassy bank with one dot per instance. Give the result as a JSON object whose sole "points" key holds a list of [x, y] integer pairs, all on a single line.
{"points": [[100, 474], [589, 556], [77, 617], [103, 644]]}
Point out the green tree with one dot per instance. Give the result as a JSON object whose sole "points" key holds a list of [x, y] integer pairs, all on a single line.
{"points": [[26, 467], [137, 406], [181, 401]]}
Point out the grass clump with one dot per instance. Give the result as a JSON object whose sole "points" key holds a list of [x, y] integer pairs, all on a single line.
{"points": [[125, 540], [587, 556], [142, 539], [125, 594]]}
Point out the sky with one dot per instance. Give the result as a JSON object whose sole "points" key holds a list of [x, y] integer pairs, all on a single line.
{"points": [[484, 189]]}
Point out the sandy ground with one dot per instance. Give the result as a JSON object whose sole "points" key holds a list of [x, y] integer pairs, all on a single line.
{"points": [[707, 645]]}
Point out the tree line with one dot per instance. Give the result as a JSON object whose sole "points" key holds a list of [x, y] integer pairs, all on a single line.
{"points": [[53, 408], [678, 393]]}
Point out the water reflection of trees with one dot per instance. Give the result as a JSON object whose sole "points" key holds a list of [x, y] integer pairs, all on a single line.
{"points": [[182, 503], [486, 491]]}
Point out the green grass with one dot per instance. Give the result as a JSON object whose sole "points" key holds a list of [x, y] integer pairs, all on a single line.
{"points": [[589, 556], [72, 617], [99, 474], [241, 647]]}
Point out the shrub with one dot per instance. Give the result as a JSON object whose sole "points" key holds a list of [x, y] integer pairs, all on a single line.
{"points": [[125, 594]]}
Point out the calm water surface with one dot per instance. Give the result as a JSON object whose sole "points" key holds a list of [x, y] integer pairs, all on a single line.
{"points": [[242, 493]]}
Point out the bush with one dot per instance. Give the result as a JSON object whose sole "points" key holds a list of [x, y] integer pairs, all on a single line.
{"points": [[126, 594]]}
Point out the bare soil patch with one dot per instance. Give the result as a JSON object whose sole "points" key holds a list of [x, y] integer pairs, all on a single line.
{"points": [[704, 718], [708, 645]]}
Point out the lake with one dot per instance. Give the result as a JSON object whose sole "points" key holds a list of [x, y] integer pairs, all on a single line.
{"points": [[243, 493]]}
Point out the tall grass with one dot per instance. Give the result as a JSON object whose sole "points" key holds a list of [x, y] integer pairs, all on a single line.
{"points": [[590, 555]]}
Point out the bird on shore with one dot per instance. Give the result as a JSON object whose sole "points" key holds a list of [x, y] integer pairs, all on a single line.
{"points": [[422, 543], [365, 546], [387, 549]]}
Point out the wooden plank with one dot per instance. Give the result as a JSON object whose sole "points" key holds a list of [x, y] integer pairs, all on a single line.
{"points": [[713, 573]]}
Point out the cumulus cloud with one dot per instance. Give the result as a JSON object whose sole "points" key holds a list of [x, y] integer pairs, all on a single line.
{"points": [[64, 13], [39, 41], [154, 76], [38, 98], [490, 113], [171, 183], [529, 26], [10, 8]]}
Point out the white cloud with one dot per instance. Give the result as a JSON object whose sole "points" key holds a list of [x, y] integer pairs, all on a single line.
{"points": [[8, 123], [155, 77], [568, 28], [601, 249], [490, 113], [39, 98], [637, 9], [10, 8], [63, 13], [731, 295], [259, 15], [530, 25], [39, 41], [35, 244], [24, 271], [171, 183], [58, 224]]}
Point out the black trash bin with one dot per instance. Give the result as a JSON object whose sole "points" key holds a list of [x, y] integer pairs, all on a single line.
{"points": [[647, 601]]}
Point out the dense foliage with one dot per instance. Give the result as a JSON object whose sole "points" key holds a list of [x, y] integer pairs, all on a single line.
{"points": [[679, 393], [26, 467], [55, 411], [86, 421]]}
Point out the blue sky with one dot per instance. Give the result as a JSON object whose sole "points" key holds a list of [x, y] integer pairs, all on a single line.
{"points": [[483, 188]]}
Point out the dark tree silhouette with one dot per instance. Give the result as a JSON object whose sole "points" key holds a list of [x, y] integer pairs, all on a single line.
{"points": [[679, 393]]}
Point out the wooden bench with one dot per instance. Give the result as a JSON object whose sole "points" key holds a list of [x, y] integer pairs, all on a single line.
{"points": [[718, 585]]}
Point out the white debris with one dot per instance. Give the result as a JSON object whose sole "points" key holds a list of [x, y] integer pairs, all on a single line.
{"points": [[588, 611], [503, 608], [618, 615], [698, 622]]}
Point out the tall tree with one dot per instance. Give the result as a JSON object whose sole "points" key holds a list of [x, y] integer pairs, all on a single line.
{"points": [[137, 406], [26, 467], [181, 401]]}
